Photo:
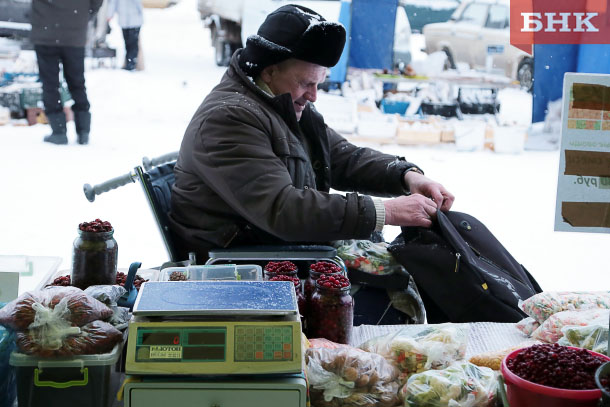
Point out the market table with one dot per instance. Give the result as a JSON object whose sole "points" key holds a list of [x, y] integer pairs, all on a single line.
{"points": [[482, 336]]}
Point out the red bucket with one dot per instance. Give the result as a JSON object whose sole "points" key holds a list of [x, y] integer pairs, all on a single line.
{"points": [[523, 393]]}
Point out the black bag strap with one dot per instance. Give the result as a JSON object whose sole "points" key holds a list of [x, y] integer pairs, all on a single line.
{"points": [[399, 279]]}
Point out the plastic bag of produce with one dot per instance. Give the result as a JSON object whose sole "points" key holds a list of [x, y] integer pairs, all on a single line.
{"points": [[593, 337], [94, 338], [108, 294], [432, 348], [460, 385], [541, 306], [80, 307], [366, 256], [527, 325], [551, 330], [347, 376]]}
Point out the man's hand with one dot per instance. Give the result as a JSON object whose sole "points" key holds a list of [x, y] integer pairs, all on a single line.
{"points": [[412, 210], [420, 184]]}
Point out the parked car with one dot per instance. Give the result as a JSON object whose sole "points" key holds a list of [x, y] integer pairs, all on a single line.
{"points": [[478, 29], [422, 12]]}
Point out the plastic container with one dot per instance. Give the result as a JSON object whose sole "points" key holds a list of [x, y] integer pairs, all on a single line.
{"points": [[603, 372], [523, 393], [225, 272], [85, 380], [508, 140], [394, 106], [94, 260], [331, 314], [8, 385]]}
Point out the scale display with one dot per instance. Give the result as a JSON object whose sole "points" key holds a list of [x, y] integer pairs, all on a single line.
{"points": [[176, 298]]}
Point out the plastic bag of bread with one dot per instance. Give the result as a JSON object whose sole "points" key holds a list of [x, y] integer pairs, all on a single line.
{"points": [[527, 325], [461, 384], [347, 376], [493, 359], [542, 305], [93, 338], [81, 308], [551, 330], [432, 348]]}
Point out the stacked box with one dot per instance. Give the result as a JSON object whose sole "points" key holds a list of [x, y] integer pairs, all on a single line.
{"points": [[84, 380]]}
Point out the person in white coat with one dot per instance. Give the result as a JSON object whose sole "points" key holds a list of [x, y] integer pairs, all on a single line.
{"points": [[131, 19]]}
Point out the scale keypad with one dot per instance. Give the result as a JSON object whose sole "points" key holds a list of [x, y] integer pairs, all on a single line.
{"points": [[263, 343]]}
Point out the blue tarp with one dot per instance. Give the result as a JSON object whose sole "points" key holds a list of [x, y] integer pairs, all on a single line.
{"points": [[339, 71], [372, 34]]}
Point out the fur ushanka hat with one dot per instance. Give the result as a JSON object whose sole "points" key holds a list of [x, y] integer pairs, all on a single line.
{"points": [[293, 32]]}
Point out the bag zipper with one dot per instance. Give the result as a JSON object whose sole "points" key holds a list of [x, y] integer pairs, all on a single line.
{"points": [[457, 261]]}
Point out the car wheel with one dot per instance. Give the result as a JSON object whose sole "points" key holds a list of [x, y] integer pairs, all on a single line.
{"points": [[222, 53], [449, 62], [525, 74]]}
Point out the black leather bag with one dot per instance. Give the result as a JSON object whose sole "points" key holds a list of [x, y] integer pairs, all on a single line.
{"points": [[463, 272]]}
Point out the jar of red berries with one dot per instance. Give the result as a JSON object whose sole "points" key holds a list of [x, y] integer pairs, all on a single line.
{"points": [[297, 289], [95, 255], [316, 270], [276, 268], [331, 309]]}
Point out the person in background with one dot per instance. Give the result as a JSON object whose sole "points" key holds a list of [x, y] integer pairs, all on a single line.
{"points": [[130, 20], [59, 34]]}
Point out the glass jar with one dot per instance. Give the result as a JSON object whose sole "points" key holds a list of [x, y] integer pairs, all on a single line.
{"points": [[331, 314], [268, 275], [94, 260], [310, 283]]}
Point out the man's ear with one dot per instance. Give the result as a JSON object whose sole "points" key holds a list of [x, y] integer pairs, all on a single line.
{"points": [[267, 73]]}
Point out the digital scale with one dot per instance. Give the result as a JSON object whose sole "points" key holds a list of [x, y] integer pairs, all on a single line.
{"points": [[195, 343]]}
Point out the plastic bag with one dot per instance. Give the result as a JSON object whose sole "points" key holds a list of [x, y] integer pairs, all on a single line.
{"points": [[460, 385], [94, 338], [81, 308], [347, 376], [366, 256], [541, 306], [528, 325], [108, 294], [593, 337], [551, 330], [433, 348]]}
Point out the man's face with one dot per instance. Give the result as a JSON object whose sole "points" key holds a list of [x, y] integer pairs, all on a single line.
{"points": [[299, 78]]}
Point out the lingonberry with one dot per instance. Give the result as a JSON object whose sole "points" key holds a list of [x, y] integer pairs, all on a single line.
{"points": [[556, 366]]}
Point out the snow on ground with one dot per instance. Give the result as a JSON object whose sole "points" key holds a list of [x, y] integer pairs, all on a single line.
{"points": [[137, 114]]}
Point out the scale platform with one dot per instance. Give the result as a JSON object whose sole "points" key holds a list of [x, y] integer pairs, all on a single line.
{"points": [[215, 328]]}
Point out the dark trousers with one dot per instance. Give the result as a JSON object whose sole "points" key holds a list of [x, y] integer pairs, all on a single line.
{"points": [[131, 35], [73, 61]]}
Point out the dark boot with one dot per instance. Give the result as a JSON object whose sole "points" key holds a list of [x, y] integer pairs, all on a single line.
{"points": [[82, 121], [58, 125]]}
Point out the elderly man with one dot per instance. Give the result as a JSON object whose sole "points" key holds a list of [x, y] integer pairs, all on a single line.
{"points": [[257, 160]]}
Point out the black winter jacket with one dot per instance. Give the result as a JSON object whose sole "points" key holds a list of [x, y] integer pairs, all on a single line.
{"points": [[62, 22], [243, 175]]}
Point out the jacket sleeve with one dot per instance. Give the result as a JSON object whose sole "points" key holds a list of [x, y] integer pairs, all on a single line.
{"points": [[111, 8], [363, 169], [234, 156]]}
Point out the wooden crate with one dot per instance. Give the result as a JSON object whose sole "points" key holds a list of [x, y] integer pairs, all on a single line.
{"points": [[425, 131]]}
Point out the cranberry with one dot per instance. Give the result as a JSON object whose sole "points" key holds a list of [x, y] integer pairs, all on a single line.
{"points": [[325, 267], [95, 226], [62, 281], [283, 277], [333, 281], [280, 267], [556, 366]]}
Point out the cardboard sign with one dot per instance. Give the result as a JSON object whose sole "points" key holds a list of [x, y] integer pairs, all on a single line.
{"points": [[583, 187]]}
